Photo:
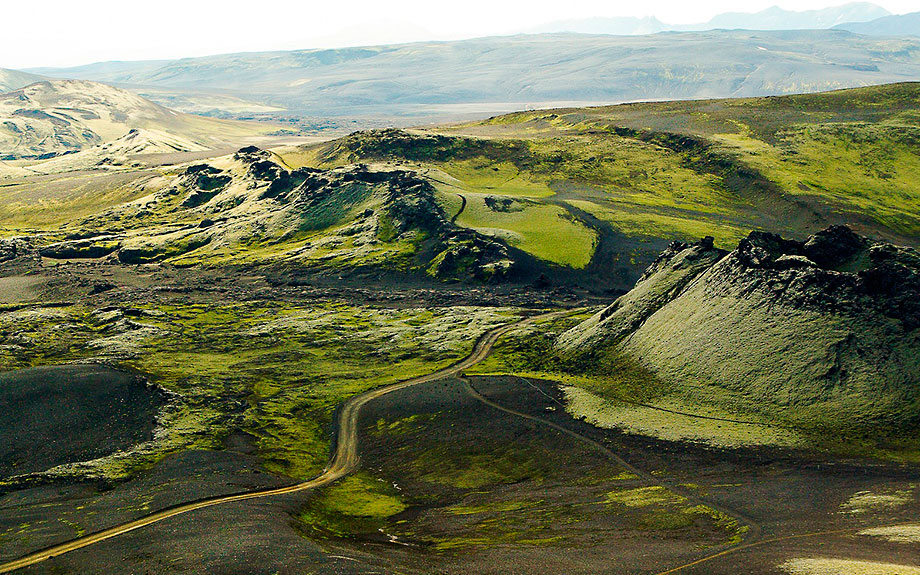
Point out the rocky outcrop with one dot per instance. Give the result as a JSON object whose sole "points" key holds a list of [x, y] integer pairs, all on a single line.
{"points": [[354, 216], [16, 248], [91, 248], [400, 145], [809, 332], [662, 282], [203, 183]]}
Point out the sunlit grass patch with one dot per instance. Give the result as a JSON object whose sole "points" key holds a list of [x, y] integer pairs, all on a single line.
{"points": [[545, 231], [644, 497], [907, 533], [653, 224], [482, 175], [357, 504], [833, 566]]}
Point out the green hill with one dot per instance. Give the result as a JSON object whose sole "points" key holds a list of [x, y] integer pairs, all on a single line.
{"points": [[250, 209], [821, 335], [613, 185], [582, 196]]}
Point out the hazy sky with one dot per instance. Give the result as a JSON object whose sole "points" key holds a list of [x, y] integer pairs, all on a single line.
{"points": [[72, 32]]}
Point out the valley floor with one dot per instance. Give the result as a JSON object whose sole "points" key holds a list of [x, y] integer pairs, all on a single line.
{"points": [[479, 474]]}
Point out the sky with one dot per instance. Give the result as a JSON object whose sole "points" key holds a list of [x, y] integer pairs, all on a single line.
{"points": [[71, 32]]}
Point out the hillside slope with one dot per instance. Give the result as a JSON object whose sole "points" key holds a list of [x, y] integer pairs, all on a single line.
{"points": [[13, 79], [603, 190], [822, 334], [250, 209], [897, 25], [51, 118], [506, 73], [574, 197]]}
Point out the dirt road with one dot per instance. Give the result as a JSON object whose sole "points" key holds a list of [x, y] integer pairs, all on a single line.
{"points": [[344, 461]]}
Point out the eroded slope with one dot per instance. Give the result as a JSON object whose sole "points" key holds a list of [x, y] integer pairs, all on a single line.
{"points": [[820, 334]]}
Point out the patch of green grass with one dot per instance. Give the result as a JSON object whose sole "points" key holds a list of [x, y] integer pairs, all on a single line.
{"points": [[276, 370], [868, 169], [478, 470], [495, 507], [406, 425], [644, 497], [651, 223], [605, 372], [656, 508], [483, 175], [545, 231], [359, 504]]}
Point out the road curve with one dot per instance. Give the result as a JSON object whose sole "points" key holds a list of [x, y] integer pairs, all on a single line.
{"points": [[344, 461]]}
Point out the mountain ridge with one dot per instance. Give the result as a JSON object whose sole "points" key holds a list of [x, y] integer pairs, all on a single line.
{"points": [[55, 117], [527, 71], [773, 18], [895, 25], [14, 79]]}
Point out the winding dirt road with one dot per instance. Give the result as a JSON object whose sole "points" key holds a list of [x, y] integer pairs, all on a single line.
{"points": [[344, 461]]}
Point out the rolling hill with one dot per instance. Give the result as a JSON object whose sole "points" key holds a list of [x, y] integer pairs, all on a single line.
{"points": [[839, 309], [620, 182], [449, 79], [250, 209], [581, 196], [13, 80], [51, 118], [897, 25]]}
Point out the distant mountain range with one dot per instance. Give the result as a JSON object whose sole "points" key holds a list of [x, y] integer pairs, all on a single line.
{"points": [[443, 80], [774, 18], [905, 25]]}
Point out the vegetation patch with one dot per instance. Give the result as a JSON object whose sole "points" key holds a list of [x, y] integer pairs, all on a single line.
{"points": [[833, 566], [359, 504], [907, 533], [673, 419], [545, 231], [870, 501], [656, 508], [478, 470], [644, 497], [275, 370]]}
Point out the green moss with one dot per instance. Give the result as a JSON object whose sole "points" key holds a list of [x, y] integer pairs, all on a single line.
{"points": [[496, 507], [406, 425], [546, 231], [77, 529], [606, 372], [484, 175], [475, 471], [652, 222], [656, 508], [273, 369], [664, 520], [644, 497], [359, 504]]}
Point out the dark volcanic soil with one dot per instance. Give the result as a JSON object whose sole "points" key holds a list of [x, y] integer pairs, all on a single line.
{"points": [[489, 492], [69, 413], [550, 517]]}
